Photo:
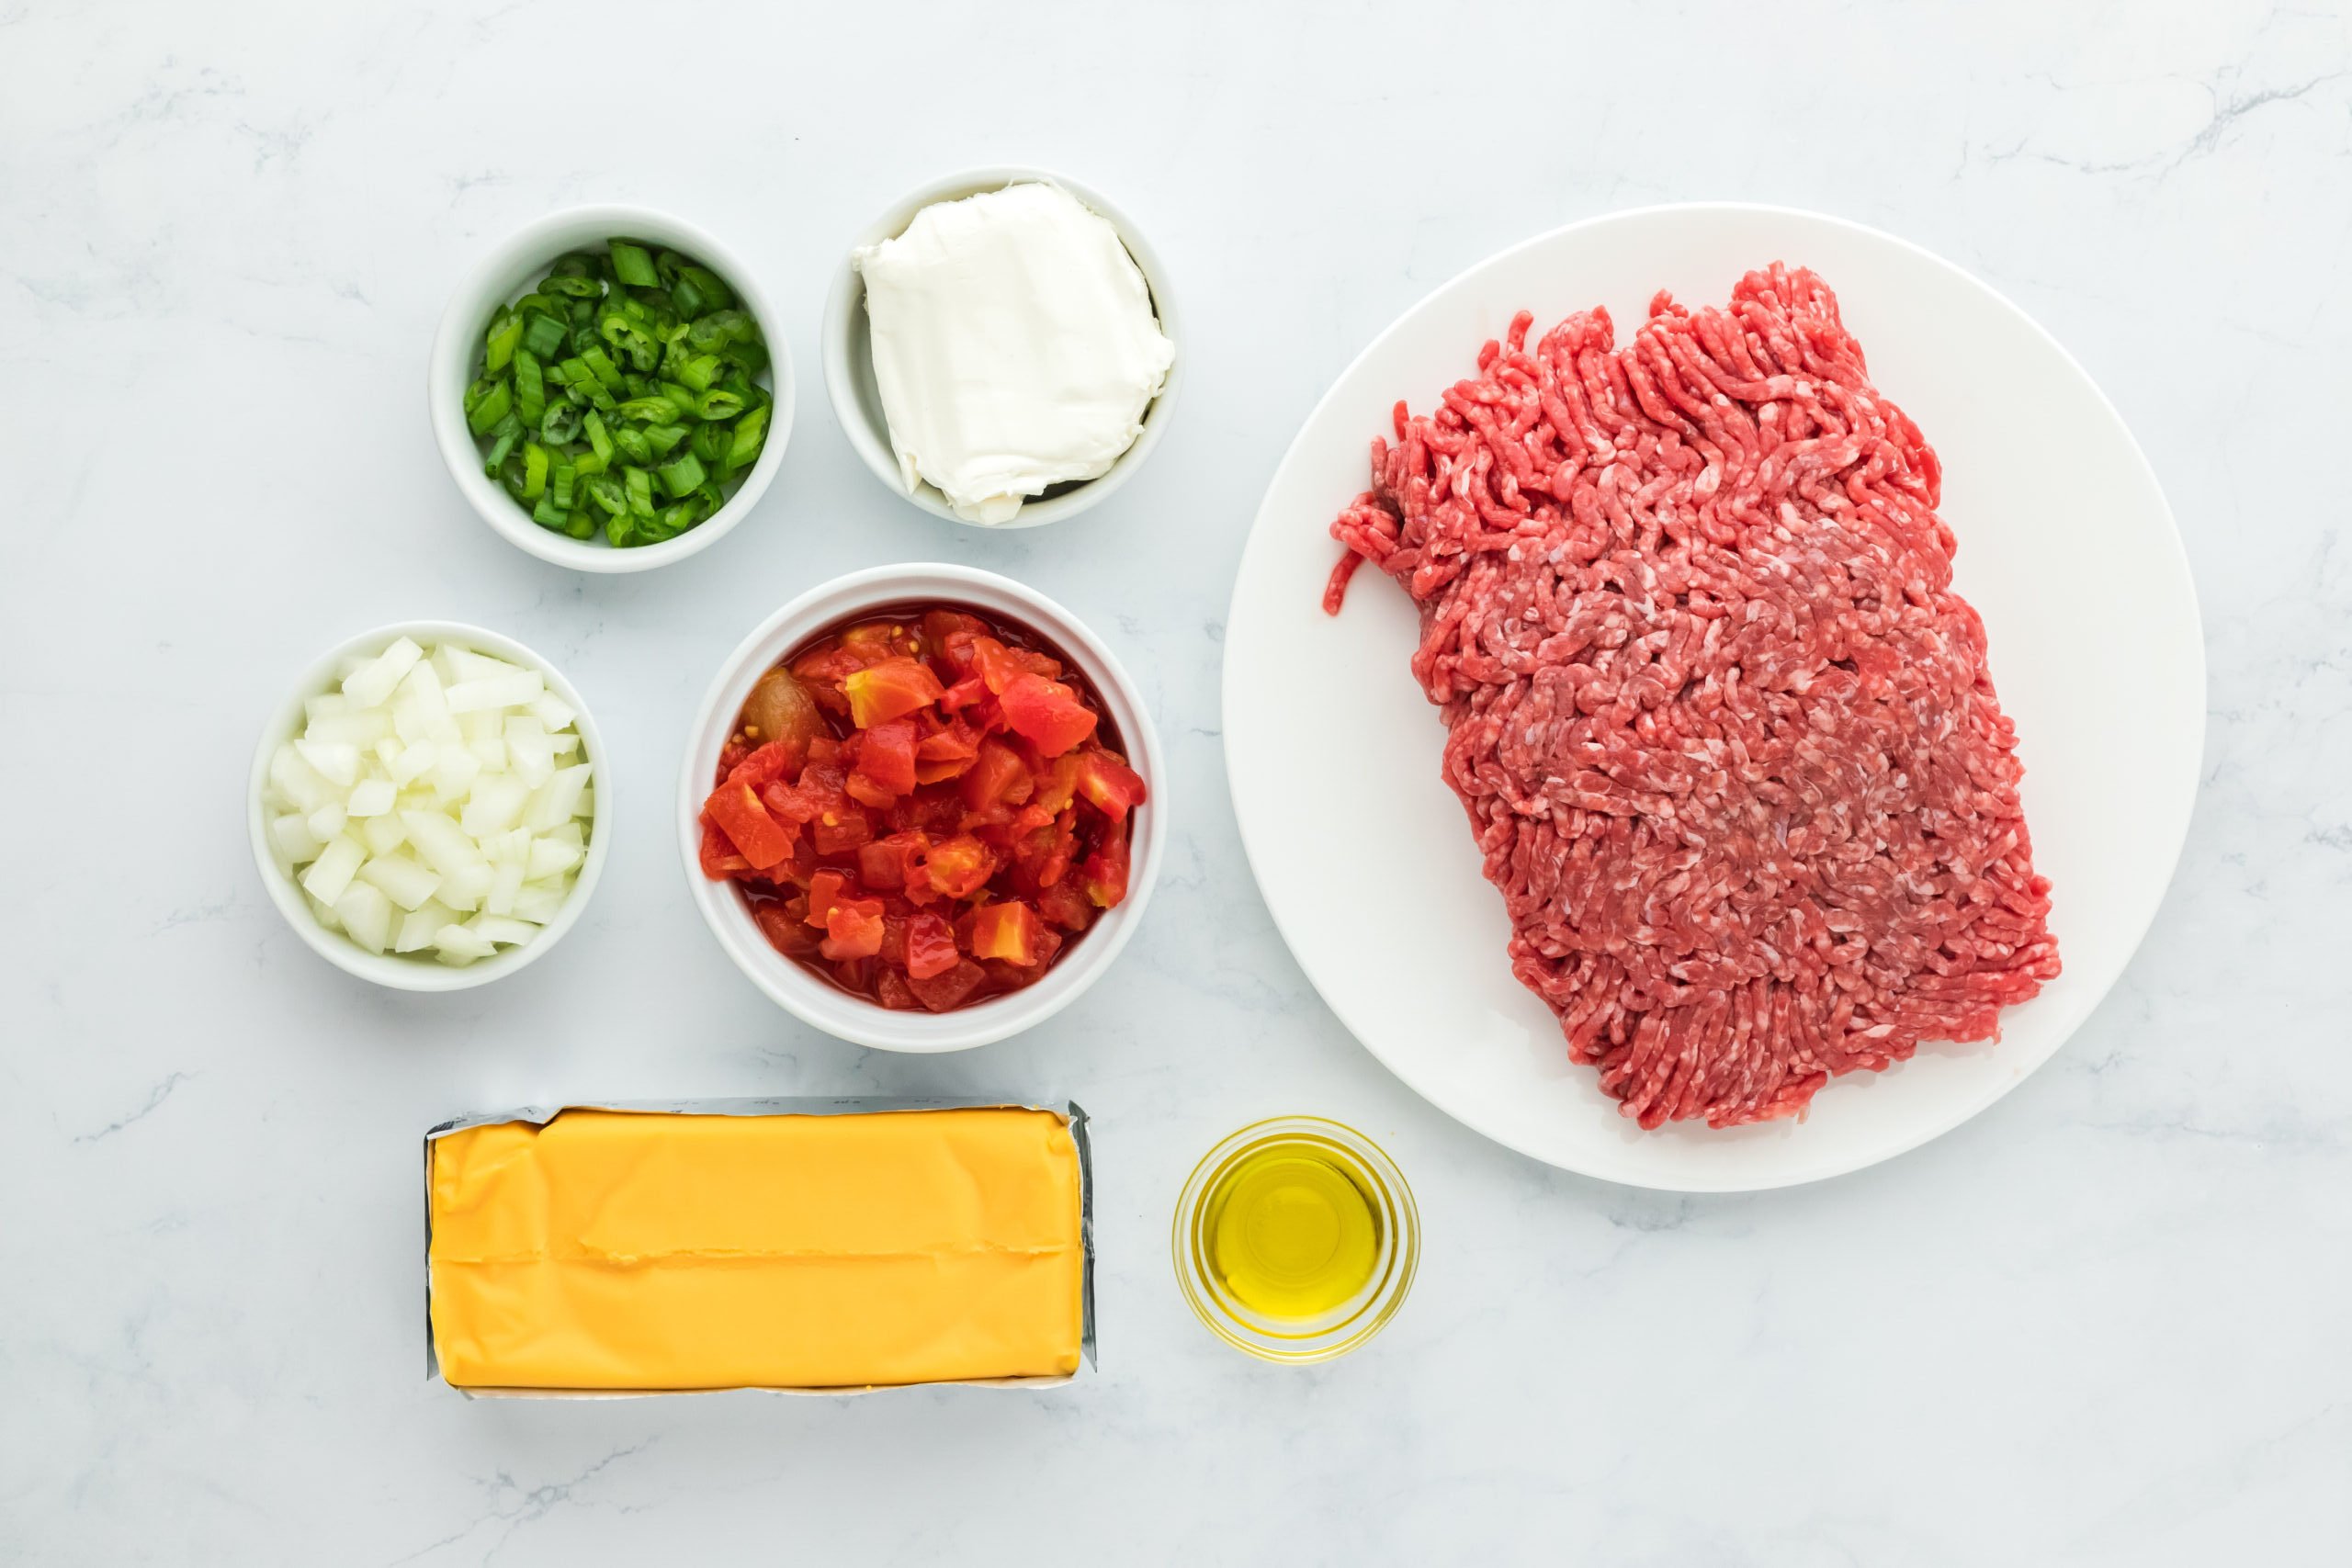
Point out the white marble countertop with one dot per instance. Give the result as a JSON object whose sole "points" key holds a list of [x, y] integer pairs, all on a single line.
{"points": [[2104, 1323]]}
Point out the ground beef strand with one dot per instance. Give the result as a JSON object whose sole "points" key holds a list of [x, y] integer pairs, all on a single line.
{"points": [[1723, 729]]}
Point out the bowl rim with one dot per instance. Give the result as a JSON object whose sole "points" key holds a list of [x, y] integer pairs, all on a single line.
{"points": [[495, 278], [395, 971], [846, 295], [819, 1003]]}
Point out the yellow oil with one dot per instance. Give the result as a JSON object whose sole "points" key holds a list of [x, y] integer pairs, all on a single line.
{"points": [[1292, 1232]]}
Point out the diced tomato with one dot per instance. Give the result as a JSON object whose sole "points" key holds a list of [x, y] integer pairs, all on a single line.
{"points": [[853, 929], [758, 837], [955, 743], [931, 945], [824, 892], [1000, 666], [1057, 786], [1041, 856], [886, 759], [891, 864], [1066, 905], [786, 932], [1007, 931], [769, 761], [1048, 715], [964, 693], [1105, 871], [719, 861], [891, 689], [874, 641], [959, 866], [938, 626], [838, 832], [998, 776], [1115, 788], [947, 989], [948, 779]]}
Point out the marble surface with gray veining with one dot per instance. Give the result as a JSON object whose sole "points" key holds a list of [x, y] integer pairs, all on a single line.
{"points": [[2105, 1323]]}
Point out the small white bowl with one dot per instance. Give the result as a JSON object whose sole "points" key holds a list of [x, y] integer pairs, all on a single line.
{"points": [[500, 278], [404, 972], [819, 1003], [849, 351]]}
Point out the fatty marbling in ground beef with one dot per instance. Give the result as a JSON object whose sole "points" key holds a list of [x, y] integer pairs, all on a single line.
{"points": [[1723, 729]]}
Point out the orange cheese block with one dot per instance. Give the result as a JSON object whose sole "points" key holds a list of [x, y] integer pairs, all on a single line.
{"points": [[649, 1251]]}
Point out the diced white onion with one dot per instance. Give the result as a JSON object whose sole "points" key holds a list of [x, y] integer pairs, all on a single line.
{"points": [[371, 797], [383, 834], [367, 916], [548, 857], [421, 925], [496, 692], [461, 946], [405, 882], [331, 873], [494, 805], [505, 881], [539, 902], [293, 839], [338, 761], [424, 808], [501, 928], [372, 682]]}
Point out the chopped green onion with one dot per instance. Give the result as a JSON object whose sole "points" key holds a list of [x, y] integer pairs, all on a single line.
{"points": [[650, 410], [560, 427], [543, 336], [530, 388], [681, 477], [497, 458], [607, 493], [616, 394], [633, 265], [491, 406], [505, 332], [750, 433], [600, 364]]}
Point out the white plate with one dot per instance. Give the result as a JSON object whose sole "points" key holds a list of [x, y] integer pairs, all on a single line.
{"points": [[2067, 548]]}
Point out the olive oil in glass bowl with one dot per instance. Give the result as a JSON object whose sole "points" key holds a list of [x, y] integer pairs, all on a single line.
{"points": [[1297, 1239]]}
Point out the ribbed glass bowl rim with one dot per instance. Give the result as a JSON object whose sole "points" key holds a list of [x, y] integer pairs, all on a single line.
{"points": [[1397, 1209]]}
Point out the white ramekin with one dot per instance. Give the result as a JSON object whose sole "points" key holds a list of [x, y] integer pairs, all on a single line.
{"points": [[818, 1001], [406, 972], [849, 355], [501, 277]]}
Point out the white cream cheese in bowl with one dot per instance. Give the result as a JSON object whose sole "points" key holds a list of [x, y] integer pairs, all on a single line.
{"points": [[1014, 345]]}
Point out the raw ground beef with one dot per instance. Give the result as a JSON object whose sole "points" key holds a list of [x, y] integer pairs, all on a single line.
{"points": [[1722, 727]]}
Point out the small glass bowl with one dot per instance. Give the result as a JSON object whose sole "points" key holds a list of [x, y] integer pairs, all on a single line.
{"points": [[1301, 1341]]}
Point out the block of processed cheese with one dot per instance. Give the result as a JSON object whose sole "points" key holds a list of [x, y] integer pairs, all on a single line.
{"points": [[648, 1251]]}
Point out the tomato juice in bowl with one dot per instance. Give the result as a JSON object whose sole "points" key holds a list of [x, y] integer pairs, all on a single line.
{"points": [[920, 808]]}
